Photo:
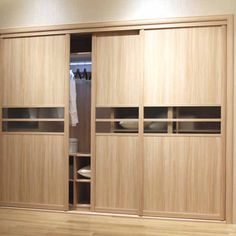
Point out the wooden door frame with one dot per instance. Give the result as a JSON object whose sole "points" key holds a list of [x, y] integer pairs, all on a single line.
{"points": [[230, 166]]}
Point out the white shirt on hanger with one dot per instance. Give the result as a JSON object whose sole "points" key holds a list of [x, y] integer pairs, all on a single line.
{"points": [[72, 100]]}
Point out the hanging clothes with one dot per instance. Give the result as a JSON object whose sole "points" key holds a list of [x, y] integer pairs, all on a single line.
{"points": [[73, 105]]}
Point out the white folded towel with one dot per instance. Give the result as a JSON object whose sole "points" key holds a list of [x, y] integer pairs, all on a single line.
{"points": [[73, 106]]}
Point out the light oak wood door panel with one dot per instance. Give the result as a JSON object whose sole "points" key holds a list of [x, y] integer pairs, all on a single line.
{"points": [[117, 68], [184, 177], [34, 70], [116, 174], [33, 171], [184, 66]]}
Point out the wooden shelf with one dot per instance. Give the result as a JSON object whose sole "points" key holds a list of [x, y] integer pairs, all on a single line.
{"points": [[36, 106], [116, 120], [184, 132], [146, 131], [117, 134], [181, 105], [182, 135], [31, 133], [29, 119], [117, 106], [125, 130], [83, 180], [80, 154], [203, 131], [81, 205], [183, 120]]}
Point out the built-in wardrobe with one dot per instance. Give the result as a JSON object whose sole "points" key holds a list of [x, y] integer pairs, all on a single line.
{"points": [[154, 119]]}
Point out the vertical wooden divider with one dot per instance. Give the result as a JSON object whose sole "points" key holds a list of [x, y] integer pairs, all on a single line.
{"points": [[177, 116], [170, 116], [1, 104], [230, 163], [141, 124], [66, 122], [93, 126], [223, 125], [75, 184], [1, 93]]}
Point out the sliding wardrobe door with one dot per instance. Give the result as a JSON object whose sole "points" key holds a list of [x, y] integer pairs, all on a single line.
{"points": [[116, 174], [34, 70], [184, 122], [116, 136], [32, 171], [184, 65], [183, 177], [117, 68], [33, 160]]}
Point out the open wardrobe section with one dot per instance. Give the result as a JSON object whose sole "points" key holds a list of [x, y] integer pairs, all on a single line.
{"points": [[80, 122], [126, 119]]}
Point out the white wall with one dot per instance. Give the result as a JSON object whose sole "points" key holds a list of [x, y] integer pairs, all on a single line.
{"points": [[43, 12], [18, 13]]}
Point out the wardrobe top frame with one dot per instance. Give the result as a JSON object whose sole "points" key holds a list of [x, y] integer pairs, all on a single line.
{"points": [[198, 21]]}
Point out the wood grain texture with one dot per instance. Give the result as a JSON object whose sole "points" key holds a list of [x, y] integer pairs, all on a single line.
{"points": [[66, 122], [117, 69], [183, 177], [118, 28], [115, 25], [117, 174], [184, 66], [34, 70], [141, 126], [93, 124], [31, 223], [1, 93], [189, 79], [75, 185], [33, 171], [230, 157]]}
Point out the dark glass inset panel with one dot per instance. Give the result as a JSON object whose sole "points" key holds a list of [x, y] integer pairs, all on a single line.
{"points": [[155, 112], [83, 193], [197, 112], [197, 127], [33, 113], [33, 126], [119, 113], [155, 127], [117, 127]]}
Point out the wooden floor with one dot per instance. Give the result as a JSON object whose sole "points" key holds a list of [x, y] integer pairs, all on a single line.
{"points": [[22, 222]]}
